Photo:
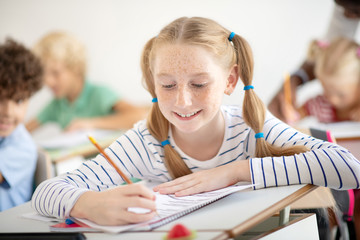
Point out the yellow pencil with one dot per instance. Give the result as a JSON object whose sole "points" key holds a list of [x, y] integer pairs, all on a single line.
{"points": [[287, 89], [127, 180]]}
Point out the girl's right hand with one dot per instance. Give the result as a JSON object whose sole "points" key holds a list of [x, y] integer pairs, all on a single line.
{"points": [[110, 207], [290, 114]]}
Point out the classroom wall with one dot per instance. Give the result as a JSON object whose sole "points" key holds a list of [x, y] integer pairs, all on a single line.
{"points": [[115, 32]]}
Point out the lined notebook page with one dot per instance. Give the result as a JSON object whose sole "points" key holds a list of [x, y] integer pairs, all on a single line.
{"points": [[170, 208]]}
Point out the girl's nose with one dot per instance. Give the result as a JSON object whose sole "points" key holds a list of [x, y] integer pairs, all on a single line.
{"points": [[183, 97]]}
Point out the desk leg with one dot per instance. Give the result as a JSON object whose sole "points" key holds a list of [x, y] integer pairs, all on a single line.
{"points": [[284, 216]]}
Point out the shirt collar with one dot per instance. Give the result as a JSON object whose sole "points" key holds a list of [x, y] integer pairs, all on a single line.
{"points": [[81, 100]]}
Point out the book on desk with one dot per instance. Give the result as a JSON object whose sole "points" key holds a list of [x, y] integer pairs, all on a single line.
{"points": [[67, 150]]}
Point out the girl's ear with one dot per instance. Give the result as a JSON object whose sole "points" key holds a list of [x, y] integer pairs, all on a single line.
{"points": [[232, 80]]}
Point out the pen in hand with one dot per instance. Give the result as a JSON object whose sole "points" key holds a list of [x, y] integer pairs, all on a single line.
{"points": [[127, 180]]}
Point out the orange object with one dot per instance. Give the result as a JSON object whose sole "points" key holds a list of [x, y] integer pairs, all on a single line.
{"points": [[127, 180], [287, 89]]}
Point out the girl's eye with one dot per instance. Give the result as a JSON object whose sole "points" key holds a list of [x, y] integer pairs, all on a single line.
{"points": [[168, 86], [200, 85]]}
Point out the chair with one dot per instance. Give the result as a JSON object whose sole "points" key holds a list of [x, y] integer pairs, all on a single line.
{"points": [[44, 169], [333, 208]]}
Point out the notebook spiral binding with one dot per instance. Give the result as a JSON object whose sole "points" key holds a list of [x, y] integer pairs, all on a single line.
{"points": [[175, 216]]}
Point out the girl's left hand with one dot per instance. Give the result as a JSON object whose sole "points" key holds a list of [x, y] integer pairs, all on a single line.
{"points": [[207, 180]]}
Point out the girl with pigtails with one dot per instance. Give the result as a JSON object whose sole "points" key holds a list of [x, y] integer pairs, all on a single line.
{"points": [[190, 141], [337, 66]]}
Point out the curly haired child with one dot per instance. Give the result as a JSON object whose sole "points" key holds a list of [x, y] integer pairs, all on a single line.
{"points": [[20, 77]]}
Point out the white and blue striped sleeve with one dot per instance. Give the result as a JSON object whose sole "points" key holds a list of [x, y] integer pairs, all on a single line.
{"points": [[56, 197], [325, 164]]}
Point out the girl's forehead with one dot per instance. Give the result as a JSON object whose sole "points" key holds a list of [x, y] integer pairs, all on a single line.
{"points": [[179, 51], [341, 82], [346, 75], [182, 57]]}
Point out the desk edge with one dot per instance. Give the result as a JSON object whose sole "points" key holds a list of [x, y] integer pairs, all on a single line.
{"points": [[241, 228]]}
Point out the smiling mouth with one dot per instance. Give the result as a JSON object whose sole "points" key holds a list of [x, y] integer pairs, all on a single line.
{"points": [[5, 125], [187, 115]]}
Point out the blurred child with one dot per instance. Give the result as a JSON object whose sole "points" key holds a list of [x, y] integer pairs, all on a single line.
{"points": [[190, 141], [344, 21], [20, 78], [78, 103], [337, 66]]}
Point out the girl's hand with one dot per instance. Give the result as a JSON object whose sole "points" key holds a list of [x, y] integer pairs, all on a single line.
{"points": [[207, 180], [290, 113], [110, 207]]}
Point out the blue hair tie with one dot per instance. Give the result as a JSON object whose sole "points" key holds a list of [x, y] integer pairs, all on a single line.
{"points": [[166, 142], [154, 100], [259, 135], [248, 87], [232, 34]]}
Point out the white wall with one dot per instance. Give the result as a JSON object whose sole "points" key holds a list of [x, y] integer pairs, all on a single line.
{"points": [[115, 31]]}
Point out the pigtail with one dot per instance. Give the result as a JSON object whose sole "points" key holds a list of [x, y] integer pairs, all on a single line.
{"points": [[253, 108], [157, 124], [147, 78]]}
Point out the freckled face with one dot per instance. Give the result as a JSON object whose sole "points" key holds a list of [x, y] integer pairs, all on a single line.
{"points": [[189, 85], [11, 114]]}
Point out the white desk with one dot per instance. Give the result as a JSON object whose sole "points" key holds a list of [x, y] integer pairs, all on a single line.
{"points": [[226, 218]]}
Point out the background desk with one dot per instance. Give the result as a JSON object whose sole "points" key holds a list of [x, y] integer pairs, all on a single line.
{"points": [[85, 149], [226, 218], [68, 150]]}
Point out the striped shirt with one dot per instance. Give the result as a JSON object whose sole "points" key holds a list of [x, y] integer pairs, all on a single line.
{"points": [[140, 155], [322, 109]]}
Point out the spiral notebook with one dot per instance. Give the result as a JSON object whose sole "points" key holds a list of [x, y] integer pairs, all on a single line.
{"points": [[170, 208]]}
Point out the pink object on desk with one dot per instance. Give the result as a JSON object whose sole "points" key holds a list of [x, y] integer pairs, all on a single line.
{"points": [[73, 227]]}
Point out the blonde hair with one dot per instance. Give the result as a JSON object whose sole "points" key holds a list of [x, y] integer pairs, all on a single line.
{"points": [[339, 54], [65, 48], [213, 37]]}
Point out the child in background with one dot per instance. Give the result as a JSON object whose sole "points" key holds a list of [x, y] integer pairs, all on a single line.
{"points": [[337, 66], [344, 22], [20, 78], [78, 104], [189, 141]]}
